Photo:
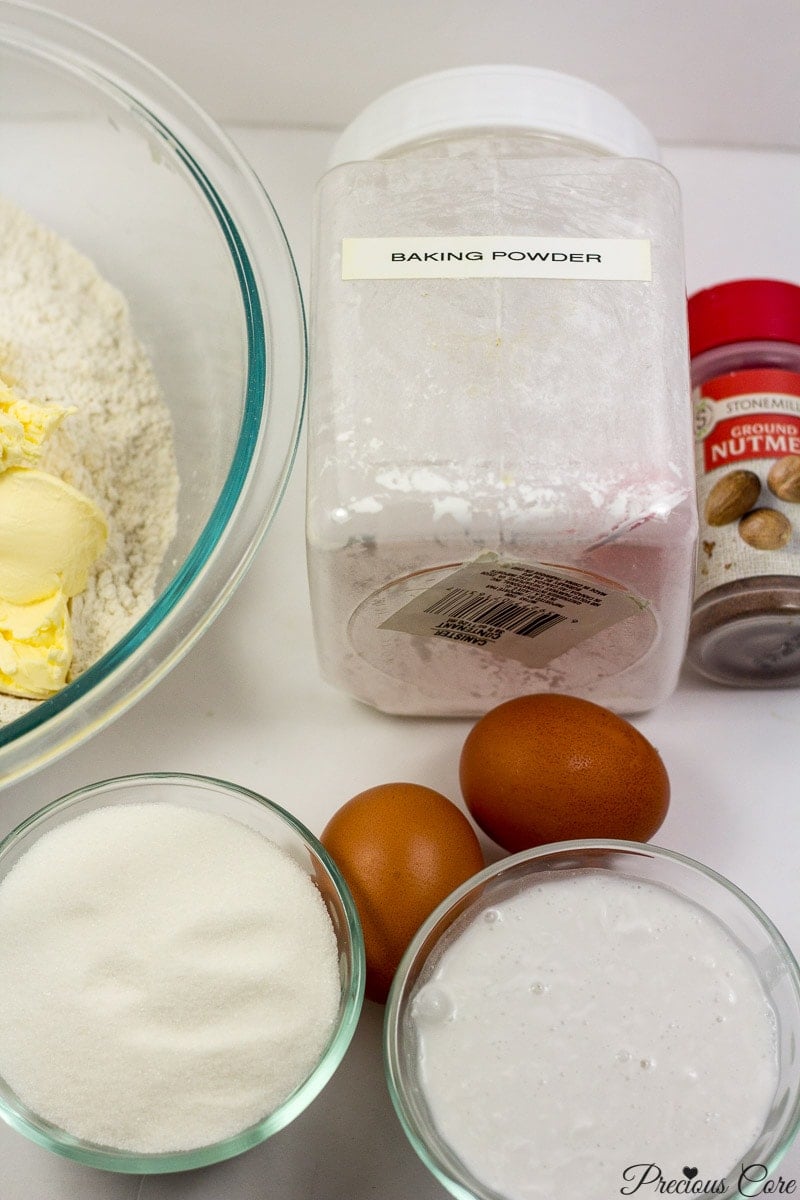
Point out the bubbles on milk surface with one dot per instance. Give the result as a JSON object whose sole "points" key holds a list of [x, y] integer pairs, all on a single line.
{"points": [[433, 1004]]}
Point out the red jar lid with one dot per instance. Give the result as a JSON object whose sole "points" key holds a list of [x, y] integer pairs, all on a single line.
{"points": [[744, 310]]}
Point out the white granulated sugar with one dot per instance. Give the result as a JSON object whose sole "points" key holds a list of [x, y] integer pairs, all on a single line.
{"points": [[167, 977], [66, 337]]}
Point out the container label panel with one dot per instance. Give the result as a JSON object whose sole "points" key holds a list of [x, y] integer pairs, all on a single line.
{"points": [[747, 434], [532, 612], [496, 257]]}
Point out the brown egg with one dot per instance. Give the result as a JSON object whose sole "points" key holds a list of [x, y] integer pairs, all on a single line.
{"points": [[402, 848], [548, 768]]}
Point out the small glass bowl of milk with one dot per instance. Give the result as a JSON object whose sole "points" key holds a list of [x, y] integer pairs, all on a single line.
{"points": [[181, 972], [596, 1018]]}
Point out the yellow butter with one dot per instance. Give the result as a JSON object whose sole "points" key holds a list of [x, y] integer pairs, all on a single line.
{"points": [[50, 535], [35, 647], [24, 426]]}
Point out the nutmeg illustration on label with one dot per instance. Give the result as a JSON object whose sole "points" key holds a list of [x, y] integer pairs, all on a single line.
{"points": [[732, 496], [783, 479], [765, 529]]}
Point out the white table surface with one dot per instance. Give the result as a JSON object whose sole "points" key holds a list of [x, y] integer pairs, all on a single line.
{"points": [[247, 705]]}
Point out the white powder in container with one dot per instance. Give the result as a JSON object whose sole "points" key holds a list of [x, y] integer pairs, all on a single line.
{"points": [[167, 977]]}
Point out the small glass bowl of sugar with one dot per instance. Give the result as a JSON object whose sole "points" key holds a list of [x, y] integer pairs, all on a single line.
{"points": [[181, 972]]}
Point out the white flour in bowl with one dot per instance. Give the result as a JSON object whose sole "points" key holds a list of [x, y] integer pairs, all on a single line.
{"points": [[66, 337]]}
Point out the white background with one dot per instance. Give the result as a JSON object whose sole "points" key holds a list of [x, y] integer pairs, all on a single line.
{"points": [[695, 71], [719, 84]]}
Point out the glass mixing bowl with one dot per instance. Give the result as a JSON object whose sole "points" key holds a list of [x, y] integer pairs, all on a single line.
{"points": [[272, 822], [101, 148], [482, 897]]}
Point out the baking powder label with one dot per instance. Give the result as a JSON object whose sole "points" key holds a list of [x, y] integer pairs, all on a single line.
{"points": [[747, 431], [496, 257], [529, 612]]}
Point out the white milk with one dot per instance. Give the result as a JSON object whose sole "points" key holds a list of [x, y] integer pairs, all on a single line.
{"points": [[589, 1024]]}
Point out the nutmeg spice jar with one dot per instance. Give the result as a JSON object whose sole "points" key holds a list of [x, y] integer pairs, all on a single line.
{"points": [[744, 340]]}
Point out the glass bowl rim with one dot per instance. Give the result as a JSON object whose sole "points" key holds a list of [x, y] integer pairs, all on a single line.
{"points": [[126, 1162], [397, 1084], [214, 565]]}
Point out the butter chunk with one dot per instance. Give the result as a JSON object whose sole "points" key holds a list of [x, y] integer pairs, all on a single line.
{"points": [[24, 426], [35, 647], [50, 535]]}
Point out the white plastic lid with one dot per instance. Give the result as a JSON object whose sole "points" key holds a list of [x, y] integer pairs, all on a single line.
{"points": [[503, 97]]}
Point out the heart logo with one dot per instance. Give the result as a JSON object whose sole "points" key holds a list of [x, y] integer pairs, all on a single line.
{"points": [[690, 1172]]}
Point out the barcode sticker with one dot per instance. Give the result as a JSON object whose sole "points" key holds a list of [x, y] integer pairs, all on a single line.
{"points": [[462, 605], [532, 612]]}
